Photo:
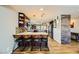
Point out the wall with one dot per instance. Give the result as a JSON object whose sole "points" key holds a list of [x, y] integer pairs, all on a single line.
{"points": [[8, 23], [57, 31]]}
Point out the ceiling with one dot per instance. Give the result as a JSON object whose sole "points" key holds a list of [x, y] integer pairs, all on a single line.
{"points": [[49, 12]]}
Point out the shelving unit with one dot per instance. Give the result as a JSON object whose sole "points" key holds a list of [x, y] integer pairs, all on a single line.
{"points": [[21, 19]]}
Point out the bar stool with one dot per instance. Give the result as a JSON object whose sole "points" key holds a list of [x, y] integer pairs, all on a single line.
{"points": [[44, 43], [21, 43], [36, 42], [27, 42]]}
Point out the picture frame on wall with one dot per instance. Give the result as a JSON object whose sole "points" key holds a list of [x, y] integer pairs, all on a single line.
{"points": [[55, 23]]}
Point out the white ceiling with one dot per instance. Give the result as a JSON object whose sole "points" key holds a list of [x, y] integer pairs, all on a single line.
{"points": [[50, 11]]}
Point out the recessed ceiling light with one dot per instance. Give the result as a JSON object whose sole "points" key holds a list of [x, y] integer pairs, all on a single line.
{"points": [[34, 15], [41, 9]]}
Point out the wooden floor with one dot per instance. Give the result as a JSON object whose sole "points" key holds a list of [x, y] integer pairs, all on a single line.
{"points": [[54, 48]]}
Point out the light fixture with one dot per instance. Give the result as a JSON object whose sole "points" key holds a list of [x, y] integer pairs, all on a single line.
{"points": [[34, 15], [42, 14], [72, 23], [41, 9]]}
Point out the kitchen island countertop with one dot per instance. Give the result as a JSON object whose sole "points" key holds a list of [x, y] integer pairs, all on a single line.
{"points": [[30, 33]]}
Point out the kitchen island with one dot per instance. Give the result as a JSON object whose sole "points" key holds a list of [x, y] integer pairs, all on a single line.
{"points": [[37, 40]]}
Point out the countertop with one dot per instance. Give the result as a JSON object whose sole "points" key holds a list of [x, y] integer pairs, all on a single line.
{"points": [[32, 33]]}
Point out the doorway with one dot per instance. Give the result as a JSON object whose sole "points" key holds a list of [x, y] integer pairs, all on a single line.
{"points": [[51, 29]]}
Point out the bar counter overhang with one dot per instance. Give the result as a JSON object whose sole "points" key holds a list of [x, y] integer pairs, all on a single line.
{"points": [[32, 34]]}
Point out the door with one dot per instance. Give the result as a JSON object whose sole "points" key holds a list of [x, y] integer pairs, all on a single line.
{"points": [[51, 29]]}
